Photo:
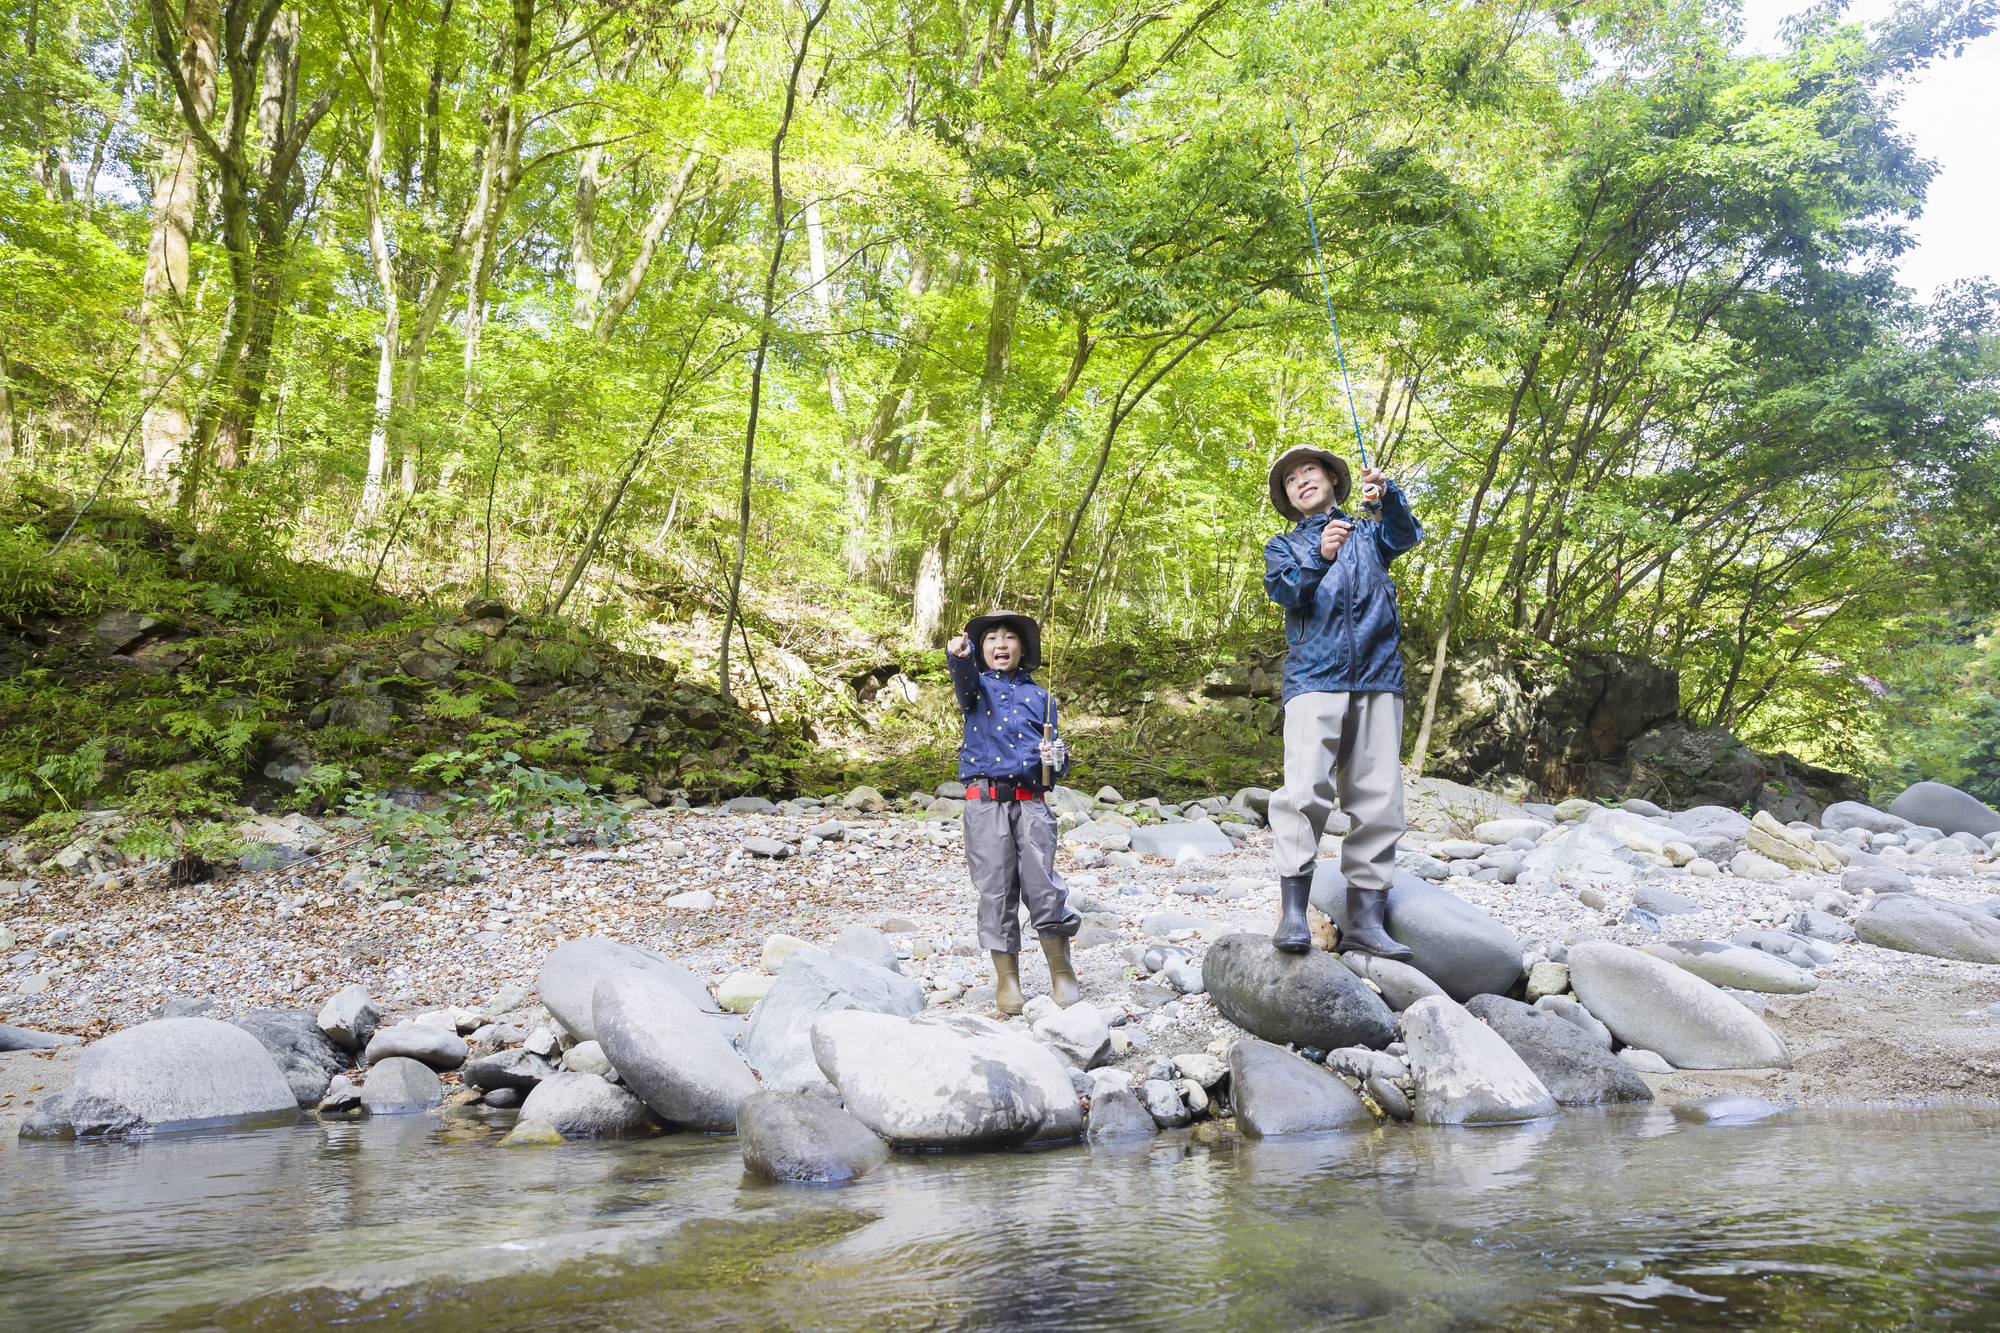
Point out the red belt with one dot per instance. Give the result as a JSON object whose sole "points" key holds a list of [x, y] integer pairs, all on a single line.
{"points": [[996, 794]]}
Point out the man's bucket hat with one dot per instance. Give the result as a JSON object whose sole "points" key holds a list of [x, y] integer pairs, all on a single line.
{"points": [[1025, 626], [1336, 468]]}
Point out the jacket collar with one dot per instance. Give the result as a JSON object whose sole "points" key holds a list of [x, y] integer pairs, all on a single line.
{"points": [[1018, 676]]}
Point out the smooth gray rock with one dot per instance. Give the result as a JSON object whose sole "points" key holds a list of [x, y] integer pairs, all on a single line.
{"points": [[1733, 965], [1162, 1101], [1569, 1011], [1935, 805], [417, 1041], [1711, 821], [1650, 1003], [398, 1085], [568, 979], [1275, 1092], [1390, 1098], [177, 1073], [666, 1051], [1465, 951], [1779, 944], [784, 1136], [1117, 1113], [1577, 1069], [1664, 902], [24, 1039], [1466, 1073], [1976, 846], [49, 1119], [585, 1106], [305, 1055], [748, 805], [519, 1069], [865, 945], [1876, 879], [778, 1042], [1644, 809], [962, 1082], [1402, 985], [1815, 925], [1166, 840], [349, 1018], [1078, 1034], [1912, 923], [503, 1099], [1306, 999], [1727, 1111], [1855, 815], [341, 1096]]}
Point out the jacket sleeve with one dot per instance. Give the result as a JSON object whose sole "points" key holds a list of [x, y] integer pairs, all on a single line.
{"points": [[964, 681], [1398, 531], [1287, 580]]}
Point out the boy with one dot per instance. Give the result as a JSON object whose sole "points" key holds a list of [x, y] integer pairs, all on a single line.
{"points": [[1343, 690], [1010, 836]]}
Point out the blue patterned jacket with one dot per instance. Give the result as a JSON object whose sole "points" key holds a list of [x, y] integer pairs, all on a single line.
{"points": [[1003, 724], [1340, 616]]}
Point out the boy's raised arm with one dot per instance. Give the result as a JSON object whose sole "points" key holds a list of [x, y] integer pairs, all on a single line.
{"points": [[1288, 581], [964, 680]]}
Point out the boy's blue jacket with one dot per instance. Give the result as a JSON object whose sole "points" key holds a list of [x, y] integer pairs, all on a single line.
{"points": [[1340, 616], [1003, 724]]}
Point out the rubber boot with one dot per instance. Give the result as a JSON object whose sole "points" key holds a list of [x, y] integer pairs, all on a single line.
{"points": [[1367, 910], [1062, 977], [1292, 934], [1007, 996]]}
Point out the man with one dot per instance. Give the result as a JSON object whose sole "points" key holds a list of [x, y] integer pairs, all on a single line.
{"points": [[1343, 690]]}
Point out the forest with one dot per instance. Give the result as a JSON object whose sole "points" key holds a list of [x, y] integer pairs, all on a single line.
{"points": [[802, 332]]}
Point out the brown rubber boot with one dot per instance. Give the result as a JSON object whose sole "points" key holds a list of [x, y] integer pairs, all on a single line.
{"points": [[1007, 983], [1062, 977]]}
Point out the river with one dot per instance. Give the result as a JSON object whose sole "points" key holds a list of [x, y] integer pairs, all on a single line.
{"points": [[1624, 1219]]}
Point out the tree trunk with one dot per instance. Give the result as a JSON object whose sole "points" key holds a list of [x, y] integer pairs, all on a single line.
{"points": [[385, 274], [163, 297]]}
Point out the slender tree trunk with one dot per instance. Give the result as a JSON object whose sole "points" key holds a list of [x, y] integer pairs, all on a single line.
{"points": [[385, 273]]}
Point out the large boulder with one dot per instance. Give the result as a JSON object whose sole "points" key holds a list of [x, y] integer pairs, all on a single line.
{"points": [[807, 1139], [417, 1041], [177, 1073], [1466, 1074], [962, 1082], [1307, 999], [1935, 805], [1855, 815], [1462, 949], [569, 976], [865, 944], [26, 1039], [1736, 966], [1576, 1068], [667, 1052], [1698, 765], [1275, 1092], [305, 1055], [585, 1106], [519, 1070], [1650, 1003], [399, 1085], [1912, 923], [778, 1043], [1710, 821], [1589, 857], [349, 1017]]}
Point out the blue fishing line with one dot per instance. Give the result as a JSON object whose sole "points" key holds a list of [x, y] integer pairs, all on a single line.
{"points": [[1338, 351]]}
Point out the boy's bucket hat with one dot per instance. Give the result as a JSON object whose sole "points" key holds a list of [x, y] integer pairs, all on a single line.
{"points": [[1025, 626], [1336, 469]]}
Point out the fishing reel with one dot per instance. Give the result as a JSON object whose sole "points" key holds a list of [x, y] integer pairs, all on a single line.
{"points": [[1371, 501]]}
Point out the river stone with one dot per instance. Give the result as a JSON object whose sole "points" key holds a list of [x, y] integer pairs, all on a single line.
{"points": [[1733, 965], [305, 1055], [1777, 943], [1161, 1101], [1117, 1113], [1646, 1062], [585, 1106], [1912, 923], [962, 1082], [808, 1139], [1650, 1003], [1078, 1034], [419, 1041], [1727, 1111], [1823, 926], [1577, 1069], [520, 1070], [568, 980], [1664, 902], [177, 1073], [1275, 1092], [49, 1119], [1566, 1008], [867, 945], [1855, 815], [1711, 821], [778, 1042], [667, 1052], [349, 1018], [1167, 840], [1402, 985], [24, 1039], [1876, 879], [398, 1085], [1748, 864], [1465, 951], [1306, 999], [1500, 832], [1466, 1073], [502, 1099], [1938, 806]]}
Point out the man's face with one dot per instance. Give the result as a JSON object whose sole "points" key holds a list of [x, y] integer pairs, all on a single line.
{"points": [[1308, 488], [1002, 647]]}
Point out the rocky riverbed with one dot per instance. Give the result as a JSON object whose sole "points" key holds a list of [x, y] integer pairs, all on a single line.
{"points": [[1861, 972]]}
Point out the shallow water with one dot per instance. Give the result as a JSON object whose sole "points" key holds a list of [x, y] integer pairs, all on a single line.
{"points": [[1621, 1220]]}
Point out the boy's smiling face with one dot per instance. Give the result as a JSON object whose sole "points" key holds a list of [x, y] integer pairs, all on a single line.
{"points": [[1002, 648], [1309, 488]]}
